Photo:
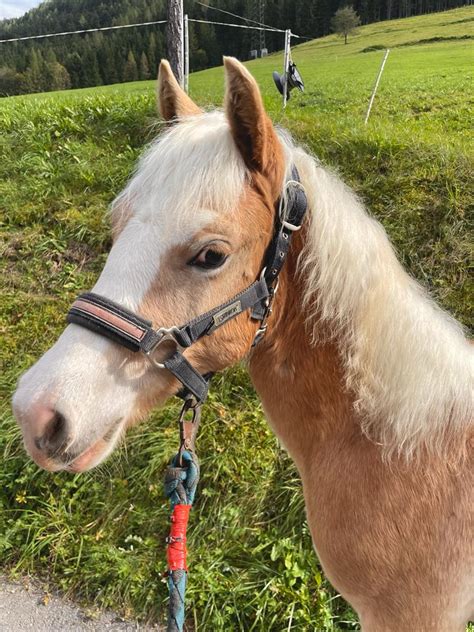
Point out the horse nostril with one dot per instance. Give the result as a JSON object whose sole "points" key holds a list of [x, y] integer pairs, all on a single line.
{"points": [[53, 439]]}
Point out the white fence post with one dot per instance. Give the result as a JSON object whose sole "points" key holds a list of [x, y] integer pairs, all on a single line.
{"points": [[286, 61], [186, 53], [376, 86]]}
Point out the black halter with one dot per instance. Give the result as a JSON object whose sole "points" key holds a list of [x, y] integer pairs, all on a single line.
{"points": [[113, 321]]}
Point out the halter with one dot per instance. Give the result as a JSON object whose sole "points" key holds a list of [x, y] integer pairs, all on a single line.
{"points": [[130, 330], [133, 332]]}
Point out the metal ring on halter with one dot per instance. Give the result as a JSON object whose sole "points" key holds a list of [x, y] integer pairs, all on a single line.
{"points": [[165, 335]]}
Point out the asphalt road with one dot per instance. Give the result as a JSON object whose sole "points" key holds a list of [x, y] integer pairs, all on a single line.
{"points": [[27, 606]]}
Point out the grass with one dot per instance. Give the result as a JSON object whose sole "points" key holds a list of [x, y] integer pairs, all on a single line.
{"points": [[100, 535]]}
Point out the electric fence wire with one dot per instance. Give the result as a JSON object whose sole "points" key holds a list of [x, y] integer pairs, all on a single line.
{"points": [[261, 27], [103, 28]]}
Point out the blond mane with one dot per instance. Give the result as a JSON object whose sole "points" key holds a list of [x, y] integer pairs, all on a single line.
{"points": [[408, 362]]}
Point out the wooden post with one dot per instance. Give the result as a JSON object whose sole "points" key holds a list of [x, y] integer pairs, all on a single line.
{"points": [[175, 39], [186, 53], [376, 86], [286, 62]]}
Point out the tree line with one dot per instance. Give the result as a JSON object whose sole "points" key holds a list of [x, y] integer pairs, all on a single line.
{"points": [[77, 61]]}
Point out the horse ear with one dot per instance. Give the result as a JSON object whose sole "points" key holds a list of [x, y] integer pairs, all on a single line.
{"points": [[173, 102], [251, 127]]}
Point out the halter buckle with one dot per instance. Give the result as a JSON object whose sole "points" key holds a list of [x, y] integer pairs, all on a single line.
{"points": [[164, 334], [261, 331]]}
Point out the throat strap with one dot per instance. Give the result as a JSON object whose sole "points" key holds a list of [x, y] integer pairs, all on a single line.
{"points": [[291, 213]]}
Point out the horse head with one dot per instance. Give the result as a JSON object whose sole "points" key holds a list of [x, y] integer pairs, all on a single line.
{"points": [[190, 231]]}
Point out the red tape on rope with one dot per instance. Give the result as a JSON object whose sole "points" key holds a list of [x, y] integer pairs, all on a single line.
{"points": [[176, 551]]}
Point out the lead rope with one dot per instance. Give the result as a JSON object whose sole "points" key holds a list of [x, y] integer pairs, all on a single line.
{"points": [[181, 479]]}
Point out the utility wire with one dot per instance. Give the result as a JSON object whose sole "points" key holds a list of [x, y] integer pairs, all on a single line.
{"points": [[103, 28], [238, 26], [239, 17]]}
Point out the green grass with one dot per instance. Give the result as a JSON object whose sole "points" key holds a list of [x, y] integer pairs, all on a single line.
{"points": [[64, 156]]}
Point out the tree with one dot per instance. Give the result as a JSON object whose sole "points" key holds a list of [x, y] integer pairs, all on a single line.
{"points": [[130, 71], [344, 22], [144, 67], [74, 67], [90, 66], [152, 52], [107, 63], [34, 77], [11, 82], [58, 77]]}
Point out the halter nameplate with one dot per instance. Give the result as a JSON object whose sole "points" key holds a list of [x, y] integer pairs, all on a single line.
{"points": [[227, 313]]}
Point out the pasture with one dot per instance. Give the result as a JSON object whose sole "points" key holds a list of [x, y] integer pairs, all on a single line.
{"points": [[64, 157]]}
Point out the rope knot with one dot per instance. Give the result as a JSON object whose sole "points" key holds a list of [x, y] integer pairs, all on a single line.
{"points": [[181, 480]]}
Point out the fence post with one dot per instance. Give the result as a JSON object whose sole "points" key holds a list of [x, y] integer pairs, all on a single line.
{"points": [[186, 53], [174, 37], [286, 61], [376, 86]]}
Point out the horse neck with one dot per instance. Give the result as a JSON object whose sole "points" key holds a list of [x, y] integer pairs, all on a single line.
{"points": [[301, 385]]}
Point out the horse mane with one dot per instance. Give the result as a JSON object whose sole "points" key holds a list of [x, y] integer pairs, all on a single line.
{"points": [[407, 361]]}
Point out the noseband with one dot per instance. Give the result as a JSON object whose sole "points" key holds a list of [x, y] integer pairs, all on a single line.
{"points": [[109, 319]]}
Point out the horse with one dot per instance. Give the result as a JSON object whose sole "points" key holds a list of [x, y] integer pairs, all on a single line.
{"points": [[365, 381]]}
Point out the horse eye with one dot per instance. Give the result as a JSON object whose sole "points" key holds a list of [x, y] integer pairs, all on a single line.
{"points": [[209, 259]]}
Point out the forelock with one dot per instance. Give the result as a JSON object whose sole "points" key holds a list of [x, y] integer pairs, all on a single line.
{"points": [[192, 166]]}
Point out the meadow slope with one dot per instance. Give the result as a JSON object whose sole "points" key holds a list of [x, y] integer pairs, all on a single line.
{"points": [[64, 156]]}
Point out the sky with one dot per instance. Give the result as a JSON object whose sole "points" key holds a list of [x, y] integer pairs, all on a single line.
{"points": [[15, 8]]}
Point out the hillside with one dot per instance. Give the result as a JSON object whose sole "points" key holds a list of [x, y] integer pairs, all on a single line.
{"points": [[64, 156], [103, 58], [425, 90]]}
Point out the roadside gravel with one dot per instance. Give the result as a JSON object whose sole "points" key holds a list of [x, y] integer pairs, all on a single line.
{"points": [[25, 605]]}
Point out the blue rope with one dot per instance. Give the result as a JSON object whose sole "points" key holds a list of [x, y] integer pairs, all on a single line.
{"points": [[181, 481], [180, 487]]}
